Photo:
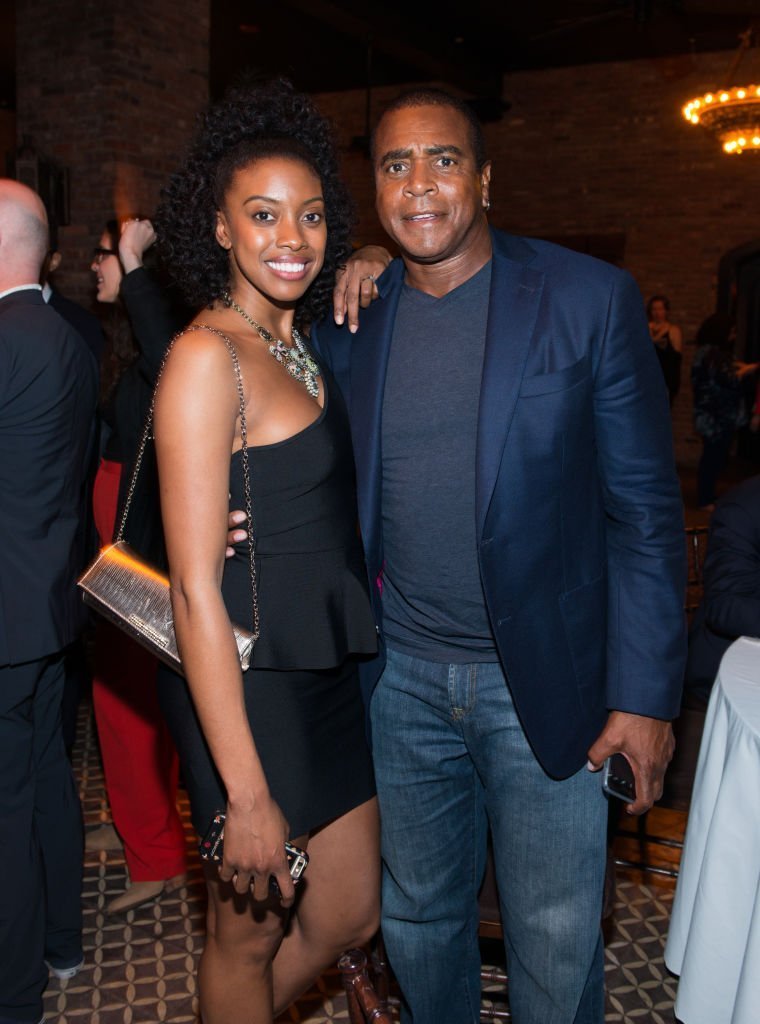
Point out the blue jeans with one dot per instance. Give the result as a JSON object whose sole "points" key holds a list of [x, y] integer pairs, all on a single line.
{"points": [[451, 759]]}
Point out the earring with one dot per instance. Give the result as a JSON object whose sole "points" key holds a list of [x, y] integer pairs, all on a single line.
{"points": [[487, 205]]}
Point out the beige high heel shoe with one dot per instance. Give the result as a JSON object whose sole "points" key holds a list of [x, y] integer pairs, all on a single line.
{"points": [[143, 892], [104, 838]]}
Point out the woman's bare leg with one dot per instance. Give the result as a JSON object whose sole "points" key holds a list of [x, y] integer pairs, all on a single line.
{"points": [[235, 970], [339, 906], [247, 967]]}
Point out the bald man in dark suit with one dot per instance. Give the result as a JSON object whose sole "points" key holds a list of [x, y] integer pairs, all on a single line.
{"points": [[48, 392]]}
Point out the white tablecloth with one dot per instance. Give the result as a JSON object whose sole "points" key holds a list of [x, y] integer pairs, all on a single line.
{"points": [[714, 938]]}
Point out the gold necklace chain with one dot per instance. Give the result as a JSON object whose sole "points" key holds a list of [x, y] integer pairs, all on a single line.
{"points": [[296, 360]]}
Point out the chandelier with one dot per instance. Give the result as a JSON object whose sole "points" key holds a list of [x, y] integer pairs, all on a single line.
{"points": [[733, 112]]}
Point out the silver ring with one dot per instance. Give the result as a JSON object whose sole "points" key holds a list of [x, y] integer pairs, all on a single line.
{"points": [[369, 277]]}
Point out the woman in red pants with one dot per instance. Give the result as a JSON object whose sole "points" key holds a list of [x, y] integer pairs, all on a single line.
{"points": [[139, 759]]}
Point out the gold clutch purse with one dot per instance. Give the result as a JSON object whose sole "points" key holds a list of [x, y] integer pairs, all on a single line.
{"points": [[130, 593]]}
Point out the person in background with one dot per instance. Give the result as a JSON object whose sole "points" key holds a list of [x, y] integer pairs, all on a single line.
{"points": [[48, 394], [668, 342], [139, 760], [86, 323], [719, 408], [730, 607]]}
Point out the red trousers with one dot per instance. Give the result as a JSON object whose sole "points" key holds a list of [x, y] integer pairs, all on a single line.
{"points": [[139, 760]]}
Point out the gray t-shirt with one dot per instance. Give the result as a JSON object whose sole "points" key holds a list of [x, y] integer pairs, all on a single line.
{"points": [[433, 604]]}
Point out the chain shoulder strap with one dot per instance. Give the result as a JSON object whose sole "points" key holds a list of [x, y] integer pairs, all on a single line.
{"points": [[244, 449]]}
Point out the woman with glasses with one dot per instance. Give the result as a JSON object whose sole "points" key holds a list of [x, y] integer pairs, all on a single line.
{"points": [[139, 760]]}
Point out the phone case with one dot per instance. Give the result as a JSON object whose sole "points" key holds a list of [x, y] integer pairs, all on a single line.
{"points": [[618, 779], [211, 848]]}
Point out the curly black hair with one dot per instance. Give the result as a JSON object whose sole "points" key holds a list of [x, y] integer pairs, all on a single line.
{"points": [[248, 124]]}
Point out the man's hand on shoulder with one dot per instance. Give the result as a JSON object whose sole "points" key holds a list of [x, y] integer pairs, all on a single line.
{"points": [[234, 534], [355, 284], [647, 743]]}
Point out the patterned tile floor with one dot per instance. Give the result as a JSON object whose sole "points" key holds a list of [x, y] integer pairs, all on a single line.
{"points": [[140, 969]]}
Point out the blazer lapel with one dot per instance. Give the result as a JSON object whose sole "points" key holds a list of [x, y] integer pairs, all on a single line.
{"points": [[369, 363], [513, 308]]}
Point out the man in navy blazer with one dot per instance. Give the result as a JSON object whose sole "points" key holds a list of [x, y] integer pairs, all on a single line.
{"points": [[523, 530], [48, 391]]}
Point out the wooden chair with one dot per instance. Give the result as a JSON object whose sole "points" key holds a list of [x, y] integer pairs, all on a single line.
{"points": [[679, 778], [696, 549], [367, 998], [676, 795], [367, 985]]}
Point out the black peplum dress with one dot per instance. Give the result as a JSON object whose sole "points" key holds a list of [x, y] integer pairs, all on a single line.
{"points": [[302, 691]]}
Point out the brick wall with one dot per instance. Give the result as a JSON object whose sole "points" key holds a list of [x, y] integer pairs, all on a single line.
{"points": [[7, 135], [603, 150], [109, 90]]}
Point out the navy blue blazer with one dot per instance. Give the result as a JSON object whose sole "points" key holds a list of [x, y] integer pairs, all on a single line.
{"points": [[579, 513], [48, 394]]}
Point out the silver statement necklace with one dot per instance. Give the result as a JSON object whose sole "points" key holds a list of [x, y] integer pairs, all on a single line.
{"points": [[295, 359]]}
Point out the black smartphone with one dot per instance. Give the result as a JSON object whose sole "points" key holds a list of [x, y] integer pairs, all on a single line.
{"points": [[618, 779], [212, 846]]}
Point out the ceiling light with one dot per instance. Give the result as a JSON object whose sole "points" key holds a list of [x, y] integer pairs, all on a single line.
{"points": [[732, 112]]}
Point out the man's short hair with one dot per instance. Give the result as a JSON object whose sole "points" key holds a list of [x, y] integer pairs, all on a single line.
{"points": [[430, 97]]}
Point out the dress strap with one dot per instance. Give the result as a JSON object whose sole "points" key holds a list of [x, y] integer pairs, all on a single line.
{"points": [[243, 437]]}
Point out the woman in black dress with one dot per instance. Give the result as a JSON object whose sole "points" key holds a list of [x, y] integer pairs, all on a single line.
{"points": [[254, 227]]}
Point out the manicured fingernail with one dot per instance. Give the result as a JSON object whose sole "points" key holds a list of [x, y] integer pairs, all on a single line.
{"points": [[239, 535], [338, 318], [353, 328], [238, 517]]}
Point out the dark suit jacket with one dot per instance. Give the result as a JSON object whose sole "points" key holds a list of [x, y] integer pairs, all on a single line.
{"points": [[88, 327], [86, 323], [730, 607], [48, 394], [579, 515]]}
